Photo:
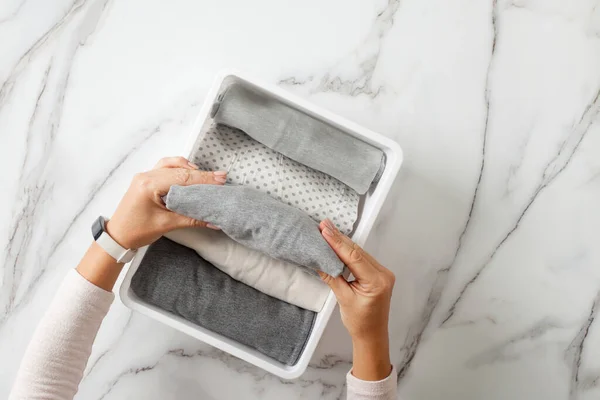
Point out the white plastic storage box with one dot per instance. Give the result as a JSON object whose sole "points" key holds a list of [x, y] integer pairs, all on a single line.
{"points": [[373, 202]]}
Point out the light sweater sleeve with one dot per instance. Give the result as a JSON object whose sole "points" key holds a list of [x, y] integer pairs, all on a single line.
{"points": [[384, 389], [53, 364]]}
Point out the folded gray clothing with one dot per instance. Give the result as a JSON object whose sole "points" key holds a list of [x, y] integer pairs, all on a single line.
{"points": [[176, 279], [301, 137], [258, 221], [251, 163]]}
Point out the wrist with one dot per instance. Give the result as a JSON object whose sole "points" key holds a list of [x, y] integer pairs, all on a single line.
{"points": [[99, 268], [119, 234], [368, 336], [371, 357], [376, 343]]}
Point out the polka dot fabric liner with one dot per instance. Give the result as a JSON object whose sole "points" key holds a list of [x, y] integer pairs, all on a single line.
{"points": [[251, 163]]}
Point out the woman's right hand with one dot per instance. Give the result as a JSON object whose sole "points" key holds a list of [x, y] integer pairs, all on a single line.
{"points": [[364, 304]]}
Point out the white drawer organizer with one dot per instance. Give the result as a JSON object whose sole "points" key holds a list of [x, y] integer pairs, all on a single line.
{"points": [[373, 202]]}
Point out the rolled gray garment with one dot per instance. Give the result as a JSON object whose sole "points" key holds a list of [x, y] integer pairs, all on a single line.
{"points": [[258, 221], [176, 279], [301, 137]]}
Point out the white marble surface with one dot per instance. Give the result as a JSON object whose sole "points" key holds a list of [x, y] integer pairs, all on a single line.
{"points": [[493, 227]]}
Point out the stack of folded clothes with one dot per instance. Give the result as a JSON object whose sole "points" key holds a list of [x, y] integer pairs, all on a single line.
{"points": [[255, 281]]}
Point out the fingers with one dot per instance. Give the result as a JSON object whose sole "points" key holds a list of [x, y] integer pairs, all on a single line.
{"points": [[175, 162], [164, 178], [340, 287], [349, 252], [171, 171], [178, 221]]}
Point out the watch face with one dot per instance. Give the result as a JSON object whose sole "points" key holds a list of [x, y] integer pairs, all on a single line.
{"points": [[98, 227]]}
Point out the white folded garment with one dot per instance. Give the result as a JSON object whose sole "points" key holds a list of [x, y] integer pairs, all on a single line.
{"points": [[276, 278]]}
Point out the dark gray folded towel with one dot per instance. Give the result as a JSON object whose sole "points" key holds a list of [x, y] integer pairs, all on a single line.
{"points": [[258, 221], [176, 279], [301, 137]]}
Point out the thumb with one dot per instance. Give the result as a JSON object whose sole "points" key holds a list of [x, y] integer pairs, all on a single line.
{"points": [[340, 287]]}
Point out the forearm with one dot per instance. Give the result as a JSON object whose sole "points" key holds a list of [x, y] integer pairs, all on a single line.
{"points": [[372, 376], [371, 358], [55, 359]]}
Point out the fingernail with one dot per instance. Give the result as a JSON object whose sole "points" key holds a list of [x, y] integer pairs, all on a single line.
{"points": [[328, 232], [220, 176], [191, 164], [329, 224], [211, 226]]}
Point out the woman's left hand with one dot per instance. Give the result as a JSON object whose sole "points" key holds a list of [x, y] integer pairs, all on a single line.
{"points": [[141, 217]]}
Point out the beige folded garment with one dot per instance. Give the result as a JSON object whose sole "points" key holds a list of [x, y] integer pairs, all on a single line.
{"points": [[276, 278]]}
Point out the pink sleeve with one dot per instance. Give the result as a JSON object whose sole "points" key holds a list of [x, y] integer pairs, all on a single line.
{"points": [[55, 359], [384, 389]]}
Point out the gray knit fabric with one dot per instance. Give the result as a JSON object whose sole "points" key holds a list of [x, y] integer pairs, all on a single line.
{"points": [[176, 279], [258, 221], [250, 163], [301, 137]]}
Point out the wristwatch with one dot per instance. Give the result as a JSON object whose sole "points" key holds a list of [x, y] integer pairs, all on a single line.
{"points": [[109, 245]]}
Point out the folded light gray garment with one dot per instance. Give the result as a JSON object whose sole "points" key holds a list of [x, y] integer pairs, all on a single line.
{"points": [[258, 221], [301, 137], [176, 279], [251, 163]]}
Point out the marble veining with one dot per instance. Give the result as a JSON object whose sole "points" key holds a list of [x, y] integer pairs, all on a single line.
{"points": [[491, 227]]}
